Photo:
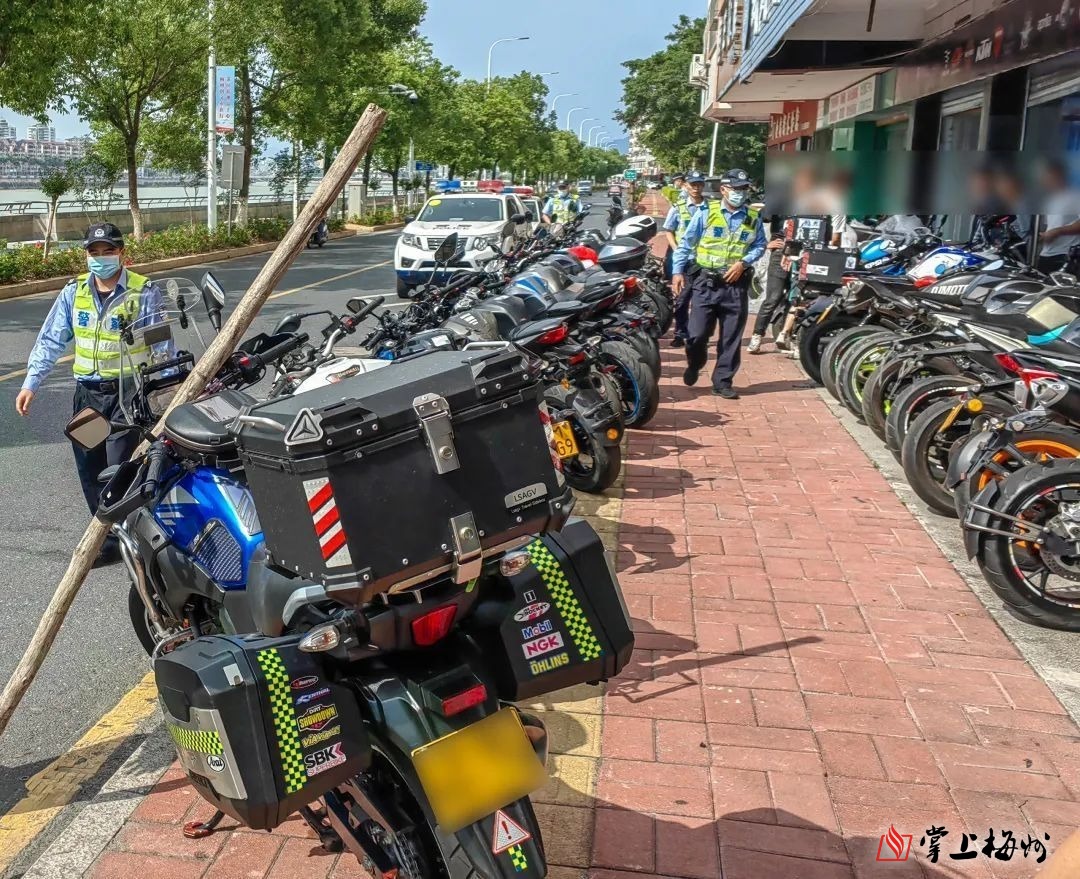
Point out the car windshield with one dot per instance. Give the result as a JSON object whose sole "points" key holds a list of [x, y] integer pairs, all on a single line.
{"points": [[457, 210]]}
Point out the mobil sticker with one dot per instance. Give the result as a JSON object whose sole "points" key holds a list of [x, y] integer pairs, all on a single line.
{"points": [[540, 646]]}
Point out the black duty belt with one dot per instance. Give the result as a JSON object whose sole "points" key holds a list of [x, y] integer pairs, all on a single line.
{"points": [[102, 387]]}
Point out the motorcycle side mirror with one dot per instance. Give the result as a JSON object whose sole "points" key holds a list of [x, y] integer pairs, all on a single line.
{"points": [[449, 247], [88, 428], [511, 227], [288, 324], [518, 219], [617, 200], [213, 297], [530, 216]]}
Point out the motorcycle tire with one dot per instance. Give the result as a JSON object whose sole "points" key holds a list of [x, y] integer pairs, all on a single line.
{"points": [[1005, 569], [140, 621], [648, 348], [913, 400], [638, 388], [663, 309], [857, 365], [921, 456], [835, 351], [814, 339], [598, 475], [1039, 446], [885, 384]]}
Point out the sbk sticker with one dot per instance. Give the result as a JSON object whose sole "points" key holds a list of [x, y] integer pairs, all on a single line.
{"points": [[541, 628], [315, 719], [304, 683], [532, 612], [308, 697], [324, 759], [542, 645]]}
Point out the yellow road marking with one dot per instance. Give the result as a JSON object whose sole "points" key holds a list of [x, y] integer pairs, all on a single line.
{"points": [[19, 373], [57, 784]]}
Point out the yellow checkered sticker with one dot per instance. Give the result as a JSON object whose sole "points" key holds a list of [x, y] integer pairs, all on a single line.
{"points": [[199, 741], [577, 624], [281, 707]]}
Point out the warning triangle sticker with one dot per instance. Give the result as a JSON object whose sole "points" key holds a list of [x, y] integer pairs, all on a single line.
{"points": [[305, 429], [507, 833]]}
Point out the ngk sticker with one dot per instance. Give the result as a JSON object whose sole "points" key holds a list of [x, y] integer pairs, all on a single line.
{"points": [[326, 758], [542, 645], [532, 612]]}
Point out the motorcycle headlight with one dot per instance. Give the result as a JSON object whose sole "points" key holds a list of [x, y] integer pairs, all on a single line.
{"points": [[410, 240]]}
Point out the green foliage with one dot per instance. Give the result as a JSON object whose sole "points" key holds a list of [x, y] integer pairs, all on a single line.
{"points": [[289, 166], [658, 100], [376, 217], [32, 263], [56, 183]]}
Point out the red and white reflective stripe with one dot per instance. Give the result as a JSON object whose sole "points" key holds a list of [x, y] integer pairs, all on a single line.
{"points": [[324, 516], [545, 419]]}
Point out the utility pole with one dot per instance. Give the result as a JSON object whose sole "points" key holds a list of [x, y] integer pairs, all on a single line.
{"points": [[712, 159], [211, 134], [412, 173]]}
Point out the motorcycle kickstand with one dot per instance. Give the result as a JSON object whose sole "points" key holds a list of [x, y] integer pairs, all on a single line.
{"points": [[328, 837], [202, 829]]}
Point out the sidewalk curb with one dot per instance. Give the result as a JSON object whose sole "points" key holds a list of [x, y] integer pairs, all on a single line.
{"points": [[45, 285], [384, 227], [1036, 645]]}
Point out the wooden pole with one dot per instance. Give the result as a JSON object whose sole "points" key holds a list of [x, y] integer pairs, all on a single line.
{"points": [[358, 143]]}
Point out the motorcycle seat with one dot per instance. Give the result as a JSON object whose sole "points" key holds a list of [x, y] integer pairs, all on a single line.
{"points": [[567, 308], [534, 328], [271, 595], [203, 426]]}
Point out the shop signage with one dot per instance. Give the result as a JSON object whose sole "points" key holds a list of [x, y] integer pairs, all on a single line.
{"points": [[798, 119], [1017, 33], [760, 11], [852, 102]]}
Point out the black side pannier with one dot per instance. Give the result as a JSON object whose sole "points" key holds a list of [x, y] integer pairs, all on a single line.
{"points": [[259, 730], [566, 623], [389, 478]]}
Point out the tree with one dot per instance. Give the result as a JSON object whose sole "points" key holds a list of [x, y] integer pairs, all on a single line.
{"points": [[31, 53], [95, 175], [55, 184], [660, 103], [152, 62]]}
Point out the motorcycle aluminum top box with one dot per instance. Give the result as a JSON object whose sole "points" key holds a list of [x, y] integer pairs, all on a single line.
{"points": [[390, 478], [623, 255], [565, 622], [259, 729], [826, 266]]}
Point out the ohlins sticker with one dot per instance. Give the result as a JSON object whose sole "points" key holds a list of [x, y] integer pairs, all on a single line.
{"points": [[327, 758], [316, 718], [543, 644], [324, 516], [548, 663], [324, 736], [541, 628], [532, 612], [304, 698]]}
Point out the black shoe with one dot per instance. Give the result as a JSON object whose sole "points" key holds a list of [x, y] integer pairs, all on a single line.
{"points": [[690, 377], [678, 342], [726, 393]]}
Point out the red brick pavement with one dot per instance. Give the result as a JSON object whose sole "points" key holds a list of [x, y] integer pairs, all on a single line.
{"points": [[810, 670]]}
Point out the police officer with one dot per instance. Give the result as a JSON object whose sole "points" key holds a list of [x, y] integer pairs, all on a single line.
{"points": [[89, 311], [724, 241], [562, 207], [678, 219]]}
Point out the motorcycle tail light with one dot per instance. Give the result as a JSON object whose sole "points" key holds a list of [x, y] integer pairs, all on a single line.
{"points": [[1031, 375], [434, 626], [465, 700], [576, 359], [555, 336], [920, 283], [1008, 363]]}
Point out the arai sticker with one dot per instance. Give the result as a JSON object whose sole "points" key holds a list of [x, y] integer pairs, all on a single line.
{"points": [[532, 612]]}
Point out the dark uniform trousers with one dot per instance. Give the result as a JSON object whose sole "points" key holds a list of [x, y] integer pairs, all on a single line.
{"points": [[713, 302], [775, 306], [682, 304], [103, 396]]}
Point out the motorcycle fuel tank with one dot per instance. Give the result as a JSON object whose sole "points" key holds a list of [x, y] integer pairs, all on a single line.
{"points": [[212, 517]]}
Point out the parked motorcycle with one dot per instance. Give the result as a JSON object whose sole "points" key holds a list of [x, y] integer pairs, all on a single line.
{"points": [[321, 234]]}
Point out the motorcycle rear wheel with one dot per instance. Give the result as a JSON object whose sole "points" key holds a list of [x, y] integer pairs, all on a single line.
{"points": [[1018, 571], [596, 469], [835, 351], [885, 385], [856, 367], [638, 387], [913, 400], [813, 341]]}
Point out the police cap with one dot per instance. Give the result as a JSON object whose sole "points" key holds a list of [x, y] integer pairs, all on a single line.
{"points": [[104, 232], [736, 178], [695, 177]]}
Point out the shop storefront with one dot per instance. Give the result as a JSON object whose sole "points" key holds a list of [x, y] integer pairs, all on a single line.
{"points": [[792, 130], [1053, 115]]}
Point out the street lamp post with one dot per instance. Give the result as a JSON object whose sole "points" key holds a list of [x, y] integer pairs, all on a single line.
{"points": [[588, 142], [555, 101], [492, 49], [211, 132], [581, 127], [571, 113]]}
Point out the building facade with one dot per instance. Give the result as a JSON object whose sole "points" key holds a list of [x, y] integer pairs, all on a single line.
{"points": [[41, 133], [640, 159]]}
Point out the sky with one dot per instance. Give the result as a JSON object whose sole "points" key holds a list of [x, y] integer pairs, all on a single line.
{"points": [[584, 43]]}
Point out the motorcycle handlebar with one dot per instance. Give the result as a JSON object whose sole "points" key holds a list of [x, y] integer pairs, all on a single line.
{"points": [[185, 359], [156, 459], [270, 355]]}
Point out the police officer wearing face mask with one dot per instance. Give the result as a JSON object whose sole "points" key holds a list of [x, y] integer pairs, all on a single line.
{"points": [[562, 207], [723, 241], [89, 311]]}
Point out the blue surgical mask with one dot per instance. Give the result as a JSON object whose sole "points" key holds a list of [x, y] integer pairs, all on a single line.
{"points": [[736, 198], [103, 267]]}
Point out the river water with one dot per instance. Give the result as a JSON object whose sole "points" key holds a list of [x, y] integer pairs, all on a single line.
{"points": [[10, 196]]}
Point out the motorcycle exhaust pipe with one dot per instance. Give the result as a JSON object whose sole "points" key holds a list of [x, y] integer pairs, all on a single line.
{"points": [[129, 552]]}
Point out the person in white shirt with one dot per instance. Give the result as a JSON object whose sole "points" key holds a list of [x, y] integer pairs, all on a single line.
{"points": [[1062, 219]]}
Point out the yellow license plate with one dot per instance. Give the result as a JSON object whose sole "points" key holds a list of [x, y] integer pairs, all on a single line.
{"points": [[951, 418], [565, 442], [474, 771]]}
